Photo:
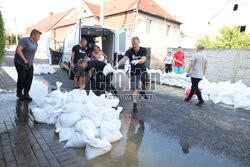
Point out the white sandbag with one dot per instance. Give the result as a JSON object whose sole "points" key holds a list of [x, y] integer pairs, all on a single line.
{"points": [[65, 134], [241, 101], [112, 102], [77, 140], [45, 115], [68, 120], [107, 69], [97, 148], [73, 107], [87, 127], [110, 132], [43, 69], [111, 114]]}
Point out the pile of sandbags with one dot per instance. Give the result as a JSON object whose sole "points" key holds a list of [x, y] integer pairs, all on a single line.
{"points": [[235, 94], [81, 120], [42, 69]]}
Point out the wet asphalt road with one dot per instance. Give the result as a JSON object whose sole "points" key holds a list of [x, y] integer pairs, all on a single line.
{"points": [[211, 135]]}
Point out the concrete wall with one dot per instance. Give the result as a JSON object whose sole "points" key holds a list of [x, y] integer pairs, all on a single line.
{"points": [[224, 64]]}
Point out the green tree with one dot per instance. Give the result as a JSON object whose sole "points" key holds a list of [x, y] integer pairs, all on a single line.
{"points": [[229, 38], [2, 41]]}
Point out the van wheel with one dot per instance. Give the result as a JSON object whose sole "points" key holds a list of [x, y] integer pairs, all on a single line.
{"points": [[71, 74], [61, 64]]}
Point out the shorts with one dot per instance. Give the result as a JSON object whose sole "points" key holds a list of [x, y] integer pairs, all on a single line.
{"points": [[178, 69], [78, 72], [135, 79]]}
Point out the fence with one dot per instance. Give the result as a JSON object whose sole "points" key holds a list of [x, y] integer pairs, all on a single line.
{"points": [[224, 64]]}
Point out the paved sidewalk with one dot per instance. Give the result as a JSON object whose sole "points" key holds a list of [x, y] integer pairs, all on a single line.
{"points": [[6, 82], [24, 143]]}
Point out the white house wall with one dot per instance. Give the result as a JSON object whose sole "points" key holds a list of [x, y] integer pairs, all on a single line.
{"points": [[228, 17], [157, 38]]}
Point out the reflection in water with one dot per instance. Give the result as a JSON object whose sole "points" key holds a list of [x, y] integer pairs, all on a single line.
{"points": [[23, 113], [185, 147], [134, 137]]}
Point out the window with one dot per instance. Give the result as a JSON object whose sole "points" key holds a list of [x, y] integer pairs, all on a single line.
{"points": [[242, 28], [148, 25], [168, 29], [235, 7]]}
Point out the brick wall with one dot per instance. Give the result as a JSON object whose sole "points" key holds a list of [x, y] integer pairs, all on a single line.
{"points": [[224, 64]]}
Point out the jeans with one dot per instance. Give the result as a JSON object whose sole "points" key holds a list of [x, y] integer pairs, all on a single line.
{"points": [[24, 79], [195, 88]]}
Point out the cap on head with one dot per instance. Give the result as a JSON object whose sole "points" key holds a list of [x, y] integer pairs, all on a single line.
{"points": [[200, 47], [179, 46]]}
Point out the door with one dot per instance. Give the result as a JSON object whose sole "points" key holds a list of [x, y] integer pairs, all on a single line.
{"points": [[55, 50], [72, 38], [122, 46]]}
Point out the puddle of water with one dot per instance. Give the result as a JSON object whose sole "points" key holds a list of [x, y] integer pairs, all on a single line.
{"points": [[142, 146]]}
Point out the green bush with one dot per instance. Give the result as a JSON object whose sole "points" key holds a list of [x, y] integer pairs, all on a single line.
{"points": [[230, 38], [2, 41]]}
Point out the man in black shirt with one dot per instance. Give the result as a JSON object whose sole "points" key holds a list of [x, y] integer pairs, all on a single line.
{"points": [[98, 66], [137, 57], [78, 52]]}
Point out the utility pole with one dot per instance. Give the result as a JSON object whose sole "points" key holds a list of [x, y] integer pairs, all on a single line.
{"points": [[101, 12], [16, 32], [101, 17]]}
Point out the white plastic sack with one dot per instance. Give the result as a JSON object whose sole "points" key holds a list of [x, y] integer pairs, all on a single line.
{"points": [[68, 120], [44, 115], [87, 127], [77, 140], [110, 132], [96, 148], [43, 69], [107, 69], [65, 134]]}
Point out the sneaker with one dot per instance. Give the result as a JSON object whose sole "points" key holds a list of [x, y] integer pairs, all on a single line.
{"points": [[27, 97], [20, 96], [144, 94], [187, 99], [135, 108], [200, 103]]}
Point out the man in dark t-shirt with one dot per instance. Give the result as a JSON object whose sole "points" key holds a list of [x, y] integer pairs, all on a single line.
{"points": [[78, 52], [137, 57], [23, 61], [98, 67]]}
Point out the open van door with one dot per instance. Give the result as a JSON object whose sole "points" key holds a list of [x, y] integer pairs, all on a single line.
{"points": [[122, 46], [55, 50]]}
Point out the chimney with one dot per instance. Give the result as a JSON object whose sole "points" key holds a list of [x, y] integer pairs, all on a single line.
{"points": [[51, 13]]}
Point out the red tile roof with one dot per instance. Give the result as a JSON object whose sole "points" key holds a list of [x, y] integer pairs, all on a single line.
{"points": [[152, 7], [69, 21], [49, 22], [95, 9], [119, 6]]}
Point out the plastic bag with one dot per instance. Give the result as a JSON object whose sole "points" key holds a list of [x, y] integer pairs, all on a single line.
{"points": [[68, 120], [110, 132], [77, 140], [97, 148]]}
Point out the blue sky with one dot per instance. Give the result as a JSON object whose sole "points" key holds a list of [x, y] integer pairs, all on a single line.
{"points": [[194, 14]]}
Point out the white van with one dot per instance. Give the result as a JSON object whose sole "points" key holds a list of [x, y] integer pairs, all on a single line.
{"points": [[114, 44]]}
